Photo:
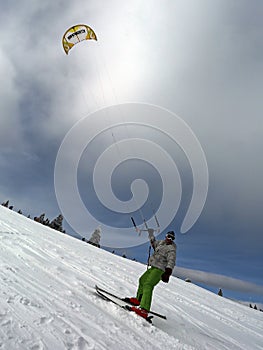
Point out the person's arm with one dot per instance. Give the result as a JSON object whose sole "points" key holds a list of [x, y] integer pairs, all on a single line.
{"points": [[151, 237], [171, 258]]}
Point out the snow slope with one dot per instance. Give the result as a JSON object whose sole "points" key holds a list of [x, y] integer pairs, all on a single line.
{"points": [[47, 300]]}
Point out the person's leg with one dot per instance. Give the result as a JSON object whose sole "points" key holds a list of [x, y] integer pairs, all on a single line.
{"points": [[142, 280], [149, 282]]}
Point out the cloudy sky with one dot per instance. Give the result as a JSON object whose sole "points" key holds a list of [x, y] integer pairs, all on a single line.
{"points": [[200, 59]]}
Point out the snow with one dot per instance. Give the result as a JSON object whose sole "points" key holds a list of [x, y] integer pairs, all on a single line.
{"points": [[48, 301]]}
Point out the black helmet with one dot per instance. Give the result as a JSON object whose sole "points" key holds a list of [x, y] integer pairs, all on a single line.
{"points": [[170, 235]]}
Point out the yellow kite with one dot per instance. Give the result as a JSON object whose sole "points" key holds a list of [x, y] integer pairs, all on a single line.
{"points": [[76, 34]]}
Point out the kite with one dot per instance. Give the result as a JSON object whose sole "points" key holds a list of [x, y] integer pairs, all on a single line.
{"points": [[76, 34]]}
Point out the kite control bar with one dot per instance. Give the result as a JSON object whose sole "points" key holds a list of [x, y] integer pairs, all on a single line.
{"points": [[134, 223], [146, 226]]}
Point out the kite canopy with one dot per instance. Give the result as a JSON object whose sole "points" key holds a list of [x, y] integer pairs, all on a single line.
{"points": [[76, 34]]}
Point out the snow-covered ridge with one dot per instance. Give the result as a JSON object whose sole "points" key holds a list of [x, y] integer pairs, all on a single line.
{"points": [[47, 299]]}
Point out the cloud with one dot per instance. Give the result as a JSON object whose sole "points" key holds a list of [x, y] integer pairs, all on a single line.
{"points": [[10, 125], [201, 60], [217, 280]]}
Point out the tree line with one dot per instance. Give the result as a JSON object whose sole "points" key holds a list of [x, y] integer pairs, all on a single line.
{"points": [[56, 223]]}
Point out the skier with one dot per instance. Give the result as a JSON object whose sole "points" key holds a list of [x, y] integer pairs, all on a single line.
{"points": [[161, 264]]}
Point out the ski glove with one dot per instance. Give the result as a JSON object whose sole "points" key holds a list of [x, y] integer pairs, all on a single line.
{"points": [[166, 275]]}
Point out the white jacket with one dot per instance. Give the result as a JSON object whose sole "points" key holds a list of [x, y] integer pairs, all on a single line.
{"points": [[164, 255]]}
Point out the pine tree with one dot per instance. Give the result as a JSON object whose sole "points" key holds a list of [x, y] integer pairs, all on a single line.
{"points": [[56, 224]]}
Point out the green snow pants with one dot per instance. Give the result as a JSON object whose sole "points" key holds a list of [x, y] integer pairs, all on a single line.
{"points": [[147, 281]]}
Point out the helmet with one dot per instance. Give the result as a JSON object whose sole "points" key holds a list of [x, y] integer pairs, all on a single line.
{"points": [[170, 235]]}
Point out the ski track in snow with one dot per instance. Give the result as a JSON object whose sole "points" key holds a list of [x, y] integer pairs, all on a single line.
{"points": [[48, 301]]}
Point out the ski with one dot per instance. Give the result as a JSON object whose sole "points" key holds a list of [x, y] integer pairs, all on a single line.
{"points": [[117, 301], [123, 301]]}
